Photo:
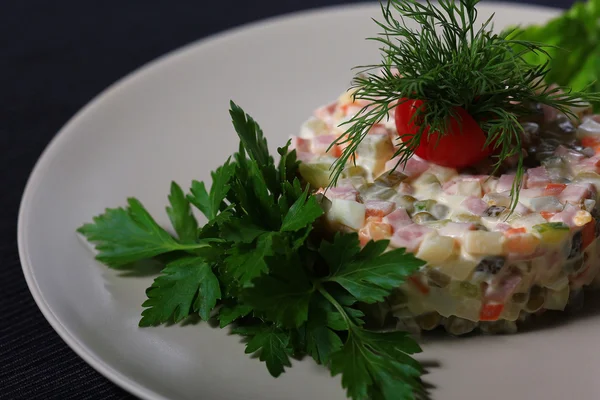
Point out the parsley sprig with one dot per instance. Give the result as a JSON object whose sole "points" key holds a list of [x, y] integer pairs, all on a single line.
{"points": [[259, 265], [450, 61]]}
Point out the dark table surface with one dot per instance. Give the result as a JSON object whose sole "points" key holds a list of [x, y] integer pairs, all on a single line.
{"points": [[54, 57]]}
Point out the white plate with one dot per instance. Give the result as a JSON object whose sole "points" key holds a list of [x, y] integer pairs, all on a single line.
{"points": [[170, 121]]}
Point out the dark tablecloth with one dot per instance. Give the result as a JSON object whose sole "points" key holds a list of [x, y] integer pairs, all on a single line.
{"points": [[54, 57]]}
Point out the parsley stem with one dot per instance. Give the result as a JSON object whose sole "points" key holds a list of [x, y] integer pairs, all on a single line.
{"points": [[335, 303]]}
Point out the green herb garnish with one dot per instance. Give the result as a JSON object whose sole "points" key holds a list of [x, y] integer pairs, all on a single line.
{"points": [[574, 58], [258, 264], [451, 61]]}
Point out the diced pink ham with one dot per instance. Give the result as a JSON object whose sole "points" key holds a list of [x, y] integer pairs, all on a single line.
{"points": [[326, 111], [456, 229], [566, 215], [398, 219], [376, 208], [378, 129], [532, 192], [343, 193], [414, 167], [550, 113], [503, 226], [522, 209], [450, 187], [320, 144], [305, 156], [300, 144], [590, 164], [569, 154], [501, 290], [409, 237], [537, 177], [405, 188], [505, 183], [475, 205], [576, 193]]}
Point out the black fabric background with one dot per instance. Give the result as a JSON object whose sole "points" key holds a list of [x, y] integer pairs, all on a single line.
{"points": [[54, 57]]}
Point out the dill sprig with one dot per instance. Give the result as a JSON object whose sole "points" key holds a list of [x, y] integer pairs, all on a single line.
{"points": [[448, 62]]}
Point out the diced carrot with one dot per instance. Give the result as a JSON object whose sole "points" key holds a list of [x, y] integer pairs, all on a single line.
{"points": [[374, 218], [374, 229], [547, 214], [335, 151], [554, 189], [421, 287], [590, 141], [588, 233], [491, 311], [523, 243], [515, 231]]}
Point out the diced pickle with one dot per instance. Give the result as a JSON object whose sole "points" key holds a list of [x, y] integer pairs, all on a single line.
{"points": [[423, 217], [317, 175], [437, 278], [520, 298], [371, 191], [552, 232], [494, 211], [424, 205], [355, 171], [576, 243], [537, 297], [390, 179], [465, 289], [491, 265], [439, 211], [429, 321], [466, 218], [459, 326]]}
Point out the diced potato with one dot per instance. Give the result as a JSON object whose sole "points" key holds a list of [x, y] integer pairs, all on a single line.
{"points": [[435, 249], [483, 243], [458, 268], [314, 127], [528, 221], [545, 203], [375, 165], [347, 212], [582, 217], [469, 188], [443, 174], [376, 147], [557, 299], [497, 199]]}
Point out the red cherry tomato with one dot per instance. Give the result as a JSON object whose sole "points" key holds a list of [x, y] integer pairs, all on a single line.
{"points": [[461, 147]]}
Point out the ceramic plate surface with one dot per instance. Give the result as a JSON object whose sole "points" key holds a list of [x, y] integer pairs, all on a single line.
{"points": [[169, 121]]}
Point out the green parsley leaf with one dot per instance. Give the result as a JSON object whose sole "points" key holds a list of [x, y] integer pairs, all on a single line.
{"points": [[372, 362], [283, 295], [180, 214], [288, 163], [125, 235], [253, 141], [185, 285], [321, 342], [371, 274], [211, 203], [229, 313], [302, 213], [343, 249], [241, 230], [247, 261], [273, 345]]}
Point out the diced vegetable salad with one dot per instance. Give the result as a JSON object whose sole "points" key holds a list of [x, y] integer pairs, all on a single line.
{"points": [[486, 267]]}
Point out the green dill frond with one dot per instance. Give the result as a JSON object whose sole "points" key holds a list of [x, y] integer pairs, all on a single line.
{"points": [[452, 61]]}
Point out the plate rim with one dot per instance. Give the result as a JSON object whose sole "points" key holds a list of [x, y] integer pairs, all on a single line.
{"points": [[68, 129]]}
